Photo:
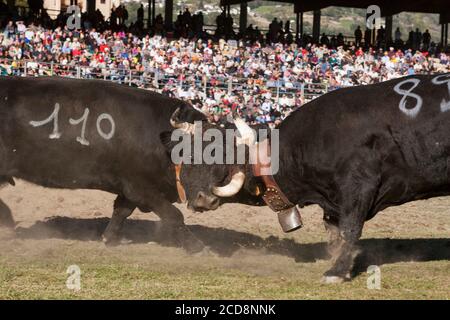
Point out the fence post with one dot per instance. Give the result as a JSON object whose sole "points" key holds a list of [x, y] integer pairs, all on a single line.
{"points": [[326, 87], [155, 81], [205, 82], [230, 85], [130, 75], [303, 89], [78, 72], [278, 91], [51, 68], [25, 68]]}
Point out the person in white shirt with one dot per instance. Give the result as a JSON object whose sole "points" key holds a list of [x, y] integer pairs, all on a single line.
{"points": [[266, 105], [29, 34], [21, 28]]}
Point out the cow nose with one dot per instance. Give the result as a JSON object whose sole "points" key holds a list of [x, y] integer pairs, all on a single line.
{"points": [[214, 203], [205, 201]]}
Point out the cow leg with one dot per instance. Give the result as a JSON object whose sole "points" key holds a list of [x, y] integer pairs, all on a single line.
{"points": [[122, 210], [6, 219], [331, 223], [172, 220], [344, 251], [357, 191], [172, 226]]}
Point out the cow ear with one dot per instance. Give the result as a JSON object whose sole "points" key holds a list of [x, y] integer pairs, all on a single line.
{"points": [[189, 114], [166, 140]]}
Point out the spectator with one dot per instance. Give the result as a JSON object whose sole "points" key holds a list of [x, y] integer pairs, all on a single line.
{"points": [[398, 35], [367, 37], [140, 13], [417, 39], [381, 36], [9, 29], [358, 36], [324, 39], [269, 80], [426, 39]]}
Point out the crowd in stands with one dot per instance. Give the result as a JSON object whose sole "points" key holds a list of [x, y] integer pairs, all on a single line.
{"points": [[268, 78]]}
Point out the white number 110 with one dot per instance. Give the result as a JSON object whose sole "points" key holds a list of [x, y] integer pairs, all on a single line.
{"points": [[56, 134]]}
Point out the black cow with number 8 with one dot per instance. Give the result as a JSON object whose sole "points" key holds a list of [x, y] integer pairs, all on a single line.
{"points": [[354, 152]]}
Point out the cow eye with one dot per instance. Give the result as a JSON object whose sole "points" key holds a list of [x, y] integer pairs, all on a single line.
{"points": [[220, 174]]}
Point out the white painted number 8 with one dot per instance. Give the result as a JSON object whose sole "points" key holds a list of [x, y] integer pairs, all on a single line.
{"points": [[412, 112]]}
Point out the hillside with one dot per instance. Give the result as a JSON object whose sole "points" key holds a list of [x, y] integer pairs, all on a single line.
{"points": [[334, 19]]}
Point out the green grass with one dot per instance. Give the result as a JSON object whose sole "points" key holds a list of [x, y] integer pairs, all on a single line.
{"points": [[250, 257], [131, 276]]}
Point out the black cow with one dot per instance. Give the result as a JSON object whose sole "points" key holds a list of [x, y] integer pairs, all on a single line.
{"points": [[73, 134], [355, 152]]}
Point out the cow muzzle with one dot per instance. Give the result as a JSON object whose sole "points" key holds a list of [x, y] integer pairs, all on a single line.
{"points": [[204, 202]]}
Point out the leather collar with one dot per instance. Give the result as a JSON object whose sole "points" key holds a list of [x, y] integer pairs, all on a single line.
{"points": [[180, 188], [272, 196]]}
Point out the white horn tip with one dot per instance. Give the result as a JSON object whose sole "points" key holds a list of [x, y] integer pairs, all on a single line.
{"points": [[236, 183]]}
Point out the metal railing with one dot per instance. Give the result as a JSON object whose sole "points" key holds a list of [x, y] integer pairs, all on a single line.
{"points": [[157, 80]]}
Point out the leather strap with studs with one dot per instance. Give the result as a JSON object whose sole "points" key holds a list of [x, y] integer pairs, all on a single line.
{"points": [[273, 196]]}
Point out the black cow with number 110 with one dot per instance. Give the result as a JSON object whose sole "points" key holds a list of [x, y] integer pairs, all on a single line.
{"points": [[91, 134]]}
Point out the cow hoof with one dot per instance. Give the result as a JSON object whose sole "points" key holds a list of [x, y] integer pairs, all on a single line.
{"points": [[188, 241], [206, 252], [192, 244], [108, 242], [125, 241], [111, 241], [332, 279]]}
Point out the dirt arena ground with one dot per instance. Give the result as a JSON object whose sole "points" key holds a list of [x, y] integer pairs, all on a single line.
{"points": [[249, 256]]}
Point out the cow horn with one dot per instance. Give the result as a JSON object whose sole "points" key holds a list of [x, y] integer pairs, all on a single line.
{"points": [[185, 126], [247, 134], [236, 183]]}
